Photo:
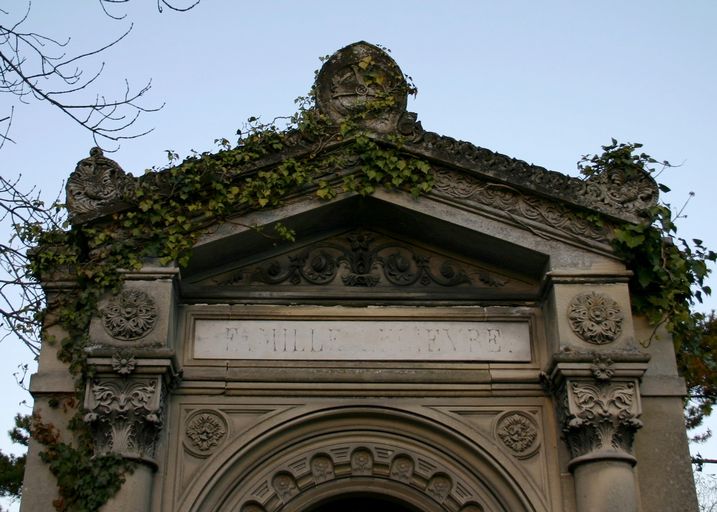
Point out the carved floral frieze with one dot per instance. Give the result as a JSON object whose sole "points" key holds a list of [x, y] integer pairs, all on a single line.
{"points": [[595, 318], [363, 259], [130, 315], [616, 193], [511, 201]]}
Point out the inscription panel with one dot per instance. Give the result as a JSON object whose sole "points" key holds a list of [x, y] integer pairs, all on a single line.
{"points": [[367, 340]]}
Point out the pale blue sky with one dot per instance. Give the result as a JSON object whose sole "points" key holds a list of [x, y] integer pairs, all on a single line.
{"points": [[541, 81]]}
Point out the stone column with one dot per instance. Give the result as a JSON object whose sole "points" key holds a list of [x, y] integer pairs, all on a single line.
{"points": [[134, 370], [595, 377], [598, 403]]}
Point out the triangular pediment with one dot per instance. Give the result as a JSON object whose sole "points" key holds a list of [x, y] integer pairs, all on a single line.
{"points": [[363, 263]]}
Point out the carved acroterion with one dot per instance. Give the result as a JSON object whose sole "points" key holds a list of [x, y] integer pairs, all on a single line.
{"points": [[96, 187]]}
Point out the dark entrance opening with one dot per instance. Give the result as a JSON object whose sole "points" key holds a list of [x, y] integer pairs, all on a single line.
{"points": [[362, 503]]}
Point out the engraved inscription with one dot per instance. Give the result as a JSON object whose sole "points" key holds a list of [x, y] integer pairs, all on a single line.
{"points": [[362, 340]]}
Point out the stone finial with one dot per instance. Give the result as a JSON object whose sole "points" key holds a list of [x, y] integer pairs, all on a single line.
{"points": [[95, 188], [362, 82]]}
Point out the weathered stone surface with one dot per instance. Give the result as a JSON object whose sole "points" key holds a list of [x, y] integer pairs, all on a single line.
{"points": [[96, 188], [367, 340], [397, 347], [362, 82]]}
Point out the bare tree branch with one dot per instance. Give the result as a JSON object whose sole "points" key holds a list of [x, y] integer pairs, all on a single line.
{"points": [[37, 67], [22, 299]]}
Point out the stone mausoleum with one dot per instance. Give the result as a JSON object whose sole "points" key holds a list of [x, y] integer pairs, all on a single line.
{"points": [[471, 349]]}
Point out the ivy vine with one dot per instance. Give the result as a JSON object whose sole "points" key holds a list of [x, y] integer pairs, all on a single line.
{"points": [[668, 278], [168, 210]]}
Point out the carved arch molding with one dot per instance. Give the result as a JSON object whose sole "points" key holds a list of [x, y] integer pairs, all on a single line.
{"points": [[425, 474]]}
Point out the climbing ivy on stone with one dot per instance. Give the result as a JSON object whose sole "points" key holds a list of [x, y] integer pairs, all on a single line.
{"points": [[668, 278], [168, 210]]}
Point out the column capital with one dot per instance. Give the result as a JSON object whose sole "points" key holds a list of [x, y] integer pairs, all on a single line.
{"points": [[598, 403]]}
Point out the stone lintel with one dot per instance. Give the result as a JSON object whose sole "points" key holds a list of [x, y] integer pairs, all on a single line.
{"points": [[49, 382], [587, 277]]}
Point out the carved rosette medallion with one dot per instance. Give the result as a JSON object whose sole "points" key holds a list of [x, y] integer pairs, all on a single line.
{"points": [[123, 362], [205, 431], [595, 318], [519, 433], [95, 188], [129, 316], [125, 415], [361, 80]]}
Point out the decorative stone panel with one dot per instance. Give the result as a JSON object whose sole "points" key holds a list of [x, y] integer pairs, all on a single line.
{"points": [[130, 315]]}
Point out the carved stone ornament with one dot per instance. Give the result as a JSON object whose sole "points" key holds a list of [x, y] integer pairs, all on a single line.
{"points": [[519, 433], [129, 316], [95, 188], [380, 462], [363, 82], [595, 318], [125, 415], [599, 416], [205, 430], [602, 367], [363, 259], [123, 362], [616, 194], [516, 204]]}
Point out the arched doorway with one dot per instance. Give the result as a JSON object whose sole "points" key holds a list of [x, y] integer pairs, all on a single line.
{"points": [[362, 503], [380, 457]]}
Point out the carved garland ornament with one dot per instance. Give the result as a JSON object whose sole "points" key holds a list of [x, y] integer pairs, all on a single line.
{"points": [[518, 433], [205, 430], [595, 318], [129, 316], [616, 194]]}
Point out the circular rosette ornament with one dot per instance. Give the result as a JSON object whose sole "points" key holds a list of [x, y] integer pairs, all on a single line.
{"points": [[595, 318], [204, 431], [519, 433], [130, 315]]}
